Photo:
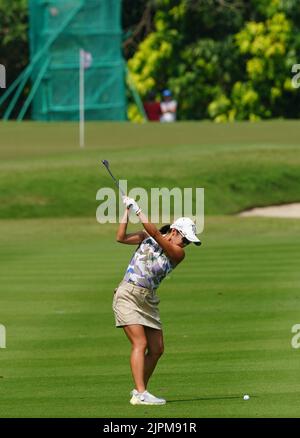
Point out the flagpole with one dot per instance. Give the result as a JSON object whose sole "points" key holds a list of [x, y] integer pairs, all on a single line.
{"points": [[81, 98]]}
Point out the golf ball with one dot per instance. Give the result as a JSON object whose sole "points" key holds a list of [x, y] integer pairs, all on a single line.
{"points": [[246, 397]]}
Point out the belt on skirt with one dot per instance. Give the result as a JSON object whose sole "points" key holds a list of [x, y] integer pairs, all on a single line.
{"points": [[138, 285]]}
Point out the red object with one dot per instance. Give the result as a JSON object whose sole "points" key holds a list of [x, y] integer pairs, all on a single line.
{"points": [[153, 111]]}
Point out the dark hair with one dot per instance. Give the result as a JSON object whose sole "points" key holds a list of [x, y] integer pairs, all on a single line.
{"points": [[151, 96], [165, 229]]}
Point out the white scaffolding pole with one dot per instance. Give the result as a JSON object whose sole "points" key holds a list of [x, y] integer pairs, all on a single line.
{"points": [[81, 98]]}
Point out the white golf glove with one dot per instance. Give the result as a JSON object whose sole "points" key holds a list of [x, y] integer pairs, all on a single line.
{"points": [[130, 202], [126, 201]]}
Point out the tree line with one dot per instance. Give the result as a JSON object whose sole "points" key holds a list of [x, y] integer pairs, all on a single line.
{"points": [[223, 60]]}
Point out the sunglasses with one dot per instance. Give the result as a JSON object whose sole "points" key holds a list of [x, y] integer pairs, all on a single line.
{"points": [[185, 241]]}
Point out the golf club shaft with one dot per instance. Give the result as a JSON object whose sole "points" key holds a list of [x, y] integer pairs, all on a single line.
{"points": [[116, 181]]}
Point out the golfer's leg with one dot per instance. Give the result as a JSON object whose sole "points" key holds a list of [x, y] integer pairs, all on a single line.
{"points": [[137, 337], [155, 344]]}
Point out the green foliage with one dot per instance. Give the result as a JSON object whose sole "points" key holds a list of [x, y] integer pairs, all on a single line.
{"points": [[206, 68], [155, 61], [265, 48], [14, 51], [223, 60], [13, 21], [222, 72]]}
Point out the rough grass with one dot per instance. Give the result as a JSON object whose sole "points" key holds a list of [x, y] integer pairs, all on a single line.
{"points": [[43, 173]]}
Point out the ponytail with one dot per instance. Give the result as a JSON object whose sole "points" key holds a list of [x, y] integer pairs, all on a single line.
{"points": [[165, 229]]}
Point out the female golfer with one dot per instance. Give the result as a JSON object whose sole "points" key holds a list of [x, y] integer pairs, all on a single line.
{"points": [[135, 302]]}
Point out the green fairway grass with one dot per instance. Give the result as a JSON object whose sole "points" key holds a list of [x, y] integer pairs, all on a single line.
{"points": [[43, 172], [227, 310], [227, 313]]}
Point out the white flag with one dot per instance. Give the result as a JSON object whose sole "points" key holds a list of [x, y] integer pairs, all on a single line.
{"points": [[87, 59]]}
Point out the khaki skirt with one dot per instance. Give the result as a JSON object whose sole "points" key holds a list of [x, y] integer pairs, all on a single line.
{"points": [[136, 305]]}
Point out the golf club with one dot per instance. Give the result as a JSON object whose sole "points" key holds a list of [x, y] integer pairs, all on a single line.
{"points": [[106, 164]]}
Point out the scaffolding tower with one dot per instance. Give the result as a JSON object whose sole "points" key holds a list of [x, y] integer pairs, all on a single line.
{"points": [[59, 31]]}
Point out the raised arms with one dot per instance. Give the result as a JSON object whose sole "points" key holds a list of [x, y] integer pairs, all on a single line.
{"points": [[131, 238], [175, 253]]}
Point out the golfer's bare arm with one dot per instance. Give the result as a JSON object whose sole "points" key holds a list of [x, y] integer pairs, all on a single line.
{"points": [[174, 252], [131, 238]]}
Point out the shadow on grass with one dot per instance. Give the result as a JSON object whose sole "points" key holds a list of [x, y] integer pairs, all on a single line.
{"points": [[223, 397]]}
